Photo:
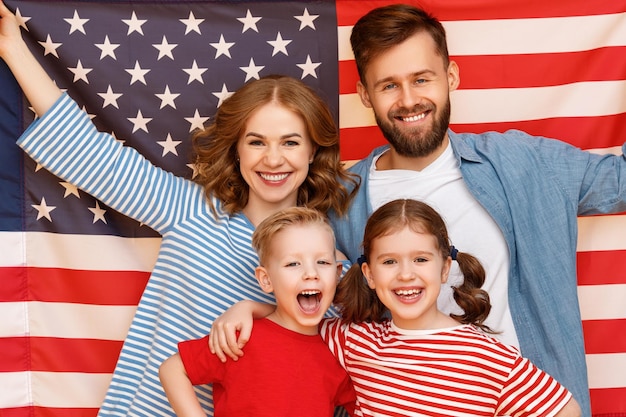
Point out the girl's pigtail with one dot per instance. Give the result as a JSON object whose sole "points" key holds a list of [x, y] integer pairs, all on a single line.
{"points": [[469, 295]]}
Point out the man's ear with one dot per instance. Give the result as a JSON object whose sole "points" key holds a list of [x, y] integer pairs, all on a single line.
{"points": [[264, 279], [367, 273], [454, 76], [362, 91]]}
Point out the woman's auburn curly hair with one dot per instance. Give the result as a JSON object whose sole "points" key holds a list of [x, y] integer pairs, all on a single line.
{"points": [[327, 186]]}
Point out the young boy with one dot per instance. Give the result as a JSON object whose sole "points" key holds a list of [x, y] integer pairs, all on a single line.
{"points": [[287, 368]]}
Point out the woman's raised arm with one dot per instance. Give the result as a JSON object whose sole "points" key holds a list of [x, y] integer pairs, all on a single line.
{"points": [[38, 87]]}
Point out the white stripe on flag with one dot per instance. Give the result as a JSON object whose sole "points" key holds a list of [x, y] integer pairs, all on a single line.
{"points": [[82, 321], [611, 306], [598, 233], [604, 371], [92, 252], [522, 36], [511, 104]]}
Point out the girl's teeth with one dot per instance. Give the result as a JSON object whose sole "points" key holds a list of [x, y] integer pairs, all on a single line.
{"points": [[408, 292]]}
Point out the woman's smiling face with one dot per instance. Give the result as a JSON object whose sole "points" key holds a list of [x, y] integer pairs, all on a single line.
{"points": [[274, 156]]}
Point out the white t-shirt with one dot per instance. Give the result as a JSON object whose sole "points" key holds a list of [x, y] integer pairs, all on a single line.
{"points": [[471, 230]]}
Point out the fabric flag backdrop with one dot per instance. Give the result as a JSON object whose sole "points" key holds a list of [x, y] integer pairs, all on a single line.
{"points": [[151, 72]]}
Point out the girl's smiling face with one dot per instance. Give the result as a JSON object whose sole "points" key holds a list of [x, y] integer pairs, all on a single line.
{"points": [[406, 269]]}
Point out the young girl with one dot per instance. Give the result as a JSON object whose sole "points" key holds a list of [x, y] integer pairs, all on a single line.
{"points": [[421, 362], [273, 144]]}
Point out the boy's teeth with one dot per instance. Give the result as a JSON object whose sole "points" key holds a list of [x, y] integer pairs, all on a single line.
{"points": [[310, 292]]}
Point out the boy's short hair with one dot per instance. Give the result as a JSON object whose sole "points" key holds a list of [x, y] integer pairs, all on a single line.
{"points": [[293, 216]]}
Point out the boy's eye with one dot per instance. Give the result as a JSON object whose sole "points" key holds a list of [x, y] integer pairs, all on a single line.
{"points": [[323, 262], [292, 264]]}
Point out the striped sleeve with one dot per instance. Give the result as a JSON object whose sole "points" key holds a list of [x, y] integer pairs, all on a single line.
{"points": [[66, 142], [530, 391]]}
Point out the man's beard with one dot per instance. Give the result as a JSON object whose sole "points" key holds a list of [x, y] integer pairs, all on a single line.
{"points": [[415, 143]]}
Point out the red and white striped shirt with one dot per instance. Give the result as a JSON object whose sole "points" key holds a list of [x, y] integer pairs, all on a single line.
{"points": [[457, 371]]}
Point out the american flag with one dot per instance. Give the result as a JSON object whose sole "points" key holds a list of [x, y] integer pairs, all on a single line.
{"points": [[151, 72]]}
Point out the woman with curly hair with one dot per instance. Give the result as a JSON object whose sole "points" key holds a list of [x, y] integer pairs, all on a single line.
{"points": [[273, 144]]}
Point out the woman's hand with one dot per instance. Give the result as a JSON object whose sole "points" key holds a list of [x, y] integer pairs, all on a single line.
{"points": [[231, 331], [36, 85], [10, 34]]}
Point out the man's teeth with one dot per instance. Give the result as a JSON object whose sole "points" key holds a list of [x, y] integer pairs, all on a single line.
{"points": [[414, 118], [408, 292], [274, 177]]}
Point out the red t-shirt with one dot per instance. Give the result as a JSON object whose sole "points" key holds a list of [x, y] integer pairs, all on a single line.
{"points": [[281, 373]]}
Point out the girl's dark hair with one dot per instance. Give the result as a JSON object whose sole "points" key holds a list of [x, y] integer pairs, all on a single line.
{"points": [[385, 27], [358, 303], [215, 147]]}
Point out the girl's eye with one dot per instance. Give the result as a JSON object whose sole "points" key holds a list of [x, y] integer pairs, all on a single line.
{"points": [[421, 260], [389, 261]]}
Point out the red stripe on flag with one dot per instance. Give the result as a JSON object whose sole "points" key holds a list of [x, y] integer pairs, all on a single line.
{"points": [[601, 267], [605, 401], [48, 412], [72, 286], [356, 143], [349, 11], [13, 358], [50, 354], [511, 71], [74, 355], [583, 132], [605, 336]]}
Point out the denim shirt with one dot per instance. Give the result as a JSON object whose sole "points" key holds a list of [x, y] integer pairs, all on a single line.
{"points": [[534, 188]]}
